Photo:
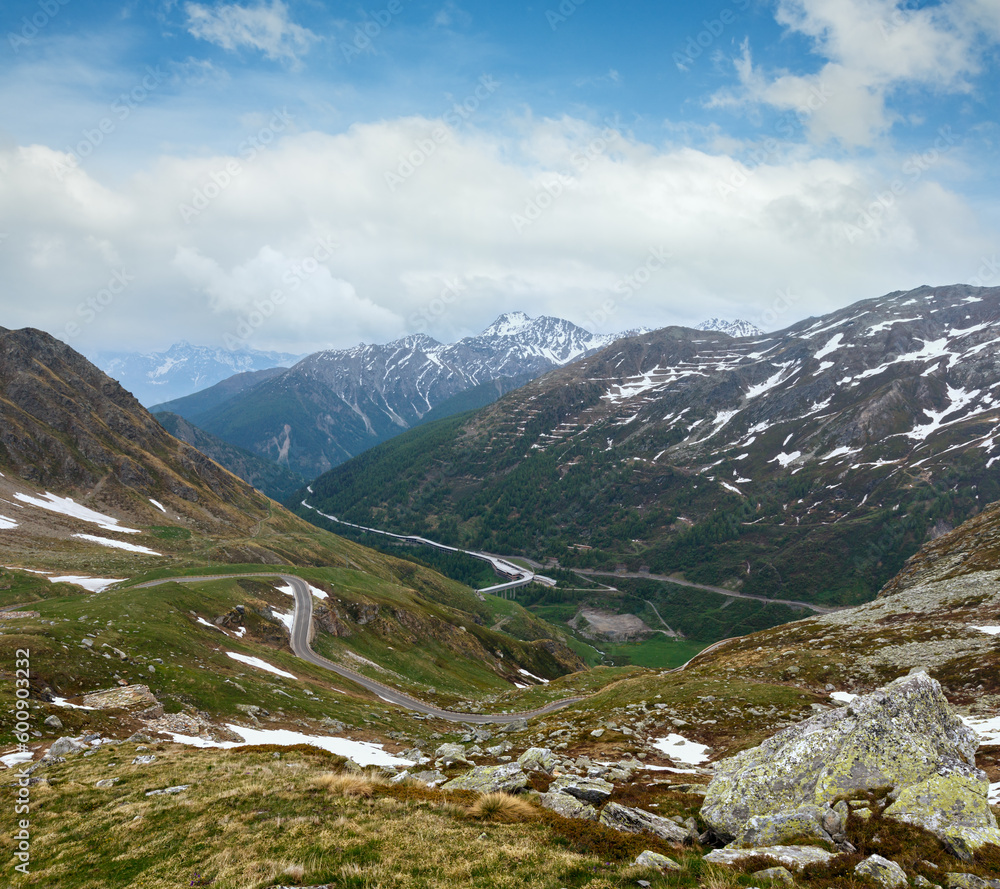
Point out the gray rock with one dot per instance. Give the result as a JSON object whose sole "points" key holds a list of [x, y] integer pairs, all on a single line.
{"points": [[785, 827], [969, 881], [53, 721], [921, 882], [629, 820], [506, 778], [180, 788], [520, 726], [144, 760], [590, 790], [430, 778], [898, 737], [448, 755], [64, 746], [105, 783], [793, 857], [568, 806], [655, 859], [500, 749], [538, 759], [882, 872], [780, 875]]}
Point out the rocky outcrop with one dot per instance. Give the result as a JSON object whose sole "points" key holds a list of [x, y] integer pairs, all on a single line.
{"points": [[792, 857], [115, 698], [589, 790], [506, 778], [629, 820], [655, 859], [568, 806], [882, 872], [904, 739], [538, 759]]}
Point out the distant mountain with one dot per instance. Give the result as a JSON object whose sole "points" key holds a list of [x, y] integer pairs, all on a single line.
{"points": [[333, 405], [267, 477], [806, 464], [157, 377], [205, 400], [737, 328]]}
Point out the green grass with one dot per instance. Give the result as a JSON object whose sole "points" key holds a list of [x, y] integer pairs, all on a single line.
{"points": [[657, 652]]}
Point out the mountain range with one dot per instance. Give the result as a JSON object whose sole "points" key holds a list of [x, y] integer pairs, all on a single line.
{"points": [[333, 405], [182, 369], [805, 464]]}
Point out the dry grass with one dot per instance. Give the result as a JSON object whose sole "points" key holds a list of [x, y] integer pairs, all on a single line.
{"points": [[502, 807], [349, 784]]}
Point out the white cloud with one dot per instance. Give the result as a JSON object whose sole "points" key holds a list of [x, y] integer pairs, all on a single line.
{"points": [[872, 49], [442, 251], [261, 27]]}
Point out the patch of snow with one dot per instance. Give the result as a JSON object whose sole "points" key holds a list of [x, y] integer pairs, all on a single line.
{"points": [[15, 759], [259, 664], [361, 752], [533, 676], [117, 544], [680, 749], [286, 619], [62, 702], [94, 584], [287, 589], [844, 451], [845, 697], [987, 729], [785, 459], [992, 631], [68, 507], [7, 524], [319, 594], [158, 505], [836, 342], [206, 623], [730, 487], [993, 796]]}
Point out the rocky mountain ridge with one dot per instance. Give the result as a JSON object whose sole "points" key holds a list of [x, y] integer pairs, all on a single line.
{"points": [[335, 404], [807, 463]]}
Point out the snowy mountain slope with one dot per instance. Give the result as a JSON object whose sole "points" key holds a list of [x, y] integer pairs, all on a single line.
{"points": [[157, 377], [737, 328], [333, 405], [807, 463]]}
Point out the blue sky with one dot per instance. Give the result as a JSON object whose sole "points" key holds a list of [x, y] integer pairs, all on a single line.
{"points": [[791, 156]]}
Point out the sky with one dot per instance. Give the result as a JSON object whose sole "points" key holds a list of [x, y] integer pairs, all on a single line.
{"points": [[298, 175]]}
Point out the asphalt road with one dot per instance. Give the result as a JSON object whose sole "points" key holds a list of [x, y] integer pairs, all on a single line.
{"points": [[300, 643]]}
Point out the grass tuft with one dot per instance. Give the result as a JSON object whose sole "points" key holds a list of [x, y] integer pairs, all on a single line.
{"points": [[502, 807], [348, 784]]}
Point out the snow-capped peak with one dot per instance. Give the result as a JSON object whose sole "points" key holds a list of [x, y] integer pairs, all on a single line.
{"points": [[508, 324], [736, 328]]}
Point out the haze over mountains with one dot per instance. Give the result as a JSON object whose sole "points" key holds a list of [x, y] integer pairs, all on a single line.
{"points": [[153, 377], [807, 463]]}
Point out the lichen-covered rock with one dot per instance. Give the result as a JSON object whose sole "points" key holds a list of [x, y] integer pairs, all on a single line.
{"points": [[448, 755], [882, 872], [895, 737], [538, 759], [812, 822], [628, 820], [655, 859], [114, 698], [780, 875], [590, 790], [64, 746], [568, 806], [793, 857], [953, 807], [506, 778], [969, 881]]}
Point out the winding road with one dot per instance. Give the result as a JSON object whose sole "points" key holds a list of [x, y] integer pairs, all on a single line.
{"points": [[301, 636]]}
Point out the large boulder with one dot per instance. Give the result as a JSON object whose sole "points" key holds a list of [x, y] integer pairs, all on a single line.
{"points": [[538, 759], [448, 755], [898, 737], [792, 857], [590, 790], [953, 807], [629, 820], [805, 822], [568, 806], [506, 778], [882, 872]]}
